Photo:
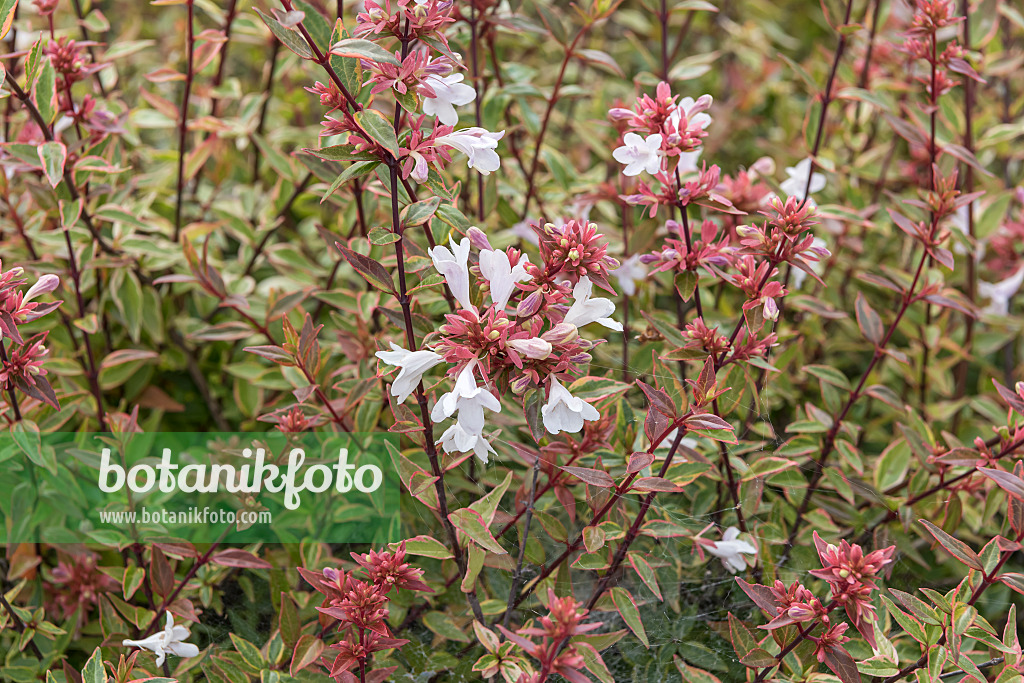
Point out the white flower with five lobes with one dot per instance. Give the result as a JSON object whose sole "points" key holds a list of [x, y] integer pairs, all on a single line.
{"points": [[465, 395], [639, 155], [477, 144], [694, 110], [1000, 293], [585, 310], [449, 92], [412, 363], [564, 412], [731, 551], [166, 642], [454, 265], [629, 273], [796, 184], [502, 275], [458, 438]]}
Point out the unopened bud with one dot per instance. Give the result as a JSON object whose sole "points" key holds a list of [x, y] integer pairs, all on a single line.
{"points": [[562, 333], [477, 238], [535, 347], [520, 384], [530, 305], [493, 334]]}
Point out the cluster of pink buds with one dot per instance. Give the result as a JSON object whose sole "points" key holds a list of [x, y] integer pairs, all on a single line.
{"points": [[527, 338], [554, 651], [405, 19], [21, 362], [75, 585], [425, 78], [850, 573], [674, 132], [359, 604]]}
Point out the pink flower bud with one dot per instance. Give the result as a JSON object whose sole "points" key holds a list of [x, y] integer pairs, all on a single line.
{"points": [[520, 384], [562, 333], [530, 305], [43, 285], [535, 347], [477, 238]]}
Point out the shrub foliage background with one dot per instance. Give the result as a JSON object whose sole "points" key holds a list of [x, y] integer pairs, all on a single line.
{"points": [[240, 203]]}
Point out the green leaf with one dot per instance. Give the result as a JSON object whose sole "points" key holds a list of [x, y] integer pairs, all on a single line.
{"points": [[630, 614], [441, 624], [379, 129], [250, 653], [7, 8], [133, 578], [53, 155], [364, 49], [290, 39], [829, 375], [45, 92], [472, 524], [93, 671], [426, 546], [420, 212], [356, 170], [382, 236]]}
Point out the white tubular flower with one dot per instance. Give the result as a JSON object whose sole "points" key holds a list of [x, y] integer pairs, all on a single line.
{"points": [[166, 642], [459, 439], [412, 363], [629, 273], [694, 110], [495, 266], [731, 551], [796, 184], [639, 155], [585, 310], [1000, 293], [564, 412], [465, 397], [454, 265], [449, 92], [535, 347], [688, 161], [477, 144]]}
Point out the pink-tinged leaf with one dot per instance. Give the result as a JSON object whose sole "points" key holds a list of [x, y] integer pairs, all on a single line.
{"points": [[236, 557], [868, 320], [1013, 580], [630, 614], [1011, 397], [956, 547], [426, 546], [646, 573], [472, 524], [7, 12], [307, 650], [761, 595], [842, 665], [648, 484], [122, 356], [274, 353], [591, 476], [597, 388], [1008, 482], [949, 302], [658, 400], [639, 461], [372, 272], [52, 156]]}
